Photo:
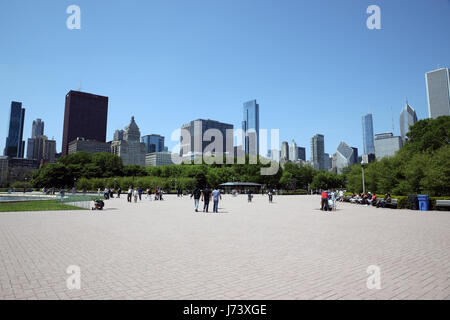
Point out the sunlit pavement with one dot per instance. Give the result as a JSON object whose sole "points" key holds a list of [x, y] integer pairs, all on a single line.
{"points": [[285, 250]]}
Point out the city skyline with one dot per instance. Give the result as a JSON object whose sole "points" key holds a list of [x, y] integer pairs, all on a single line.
{"points": [[284, 78]]}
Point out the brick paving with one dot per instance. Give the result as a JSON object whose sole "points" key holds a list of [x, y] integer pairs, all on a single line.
{"points": [[287, 250]]}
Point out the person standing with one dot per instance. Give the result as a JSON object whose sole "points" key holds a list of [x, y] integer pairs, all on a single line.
{"points": [[324, 201], [140, 194], [216, 196], [270, 196], [119, 191], [149, 194], [129, 194], [250, 196], [135, 195], [206, 197], [197, 193]]}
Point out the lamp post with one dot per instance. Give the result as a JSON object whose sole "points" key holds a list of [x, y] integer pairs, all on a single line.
{"points": [[363, 179]]}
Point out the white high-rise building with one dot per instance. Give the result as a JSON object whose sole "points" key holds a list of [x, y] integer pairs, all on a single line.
{"points": [[438, 90], [293, 151], [386, 145], [408, 118]]}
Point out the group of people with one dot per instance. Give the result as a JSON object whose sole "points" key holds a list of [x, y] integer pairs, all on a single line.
{"points": [[328, 200], [370, 199], [206, 195], [136, 193]]}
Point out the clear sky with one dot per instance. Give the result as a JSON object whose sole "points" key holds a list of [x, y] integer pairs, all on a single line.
{"points": [[313, 66]]}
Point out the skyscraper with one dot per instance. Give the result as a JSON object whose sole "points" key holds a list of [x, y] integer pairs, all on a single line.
{"points": [[153, 143], [345, 156], [293, 151], [14, 144], [85, 117], [408, 117], [438, 91], [318, 152], [37, 129], [250, 126], [284, 151], [195, 145], [368, 138], [302, 153]]}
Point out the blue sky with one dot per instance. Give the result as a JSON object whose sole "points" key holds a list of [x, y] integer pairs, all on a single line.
{"points": [[313, 66]]}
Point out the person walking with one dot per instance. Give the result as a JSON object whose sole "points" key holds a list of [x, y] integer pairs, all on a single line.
{"points": [[140, 194], [129, 194], [270, 196], [149, 194], [206, 197], [250, 196], [135, 195], [216, 196], [119, 191], [197, 193]]}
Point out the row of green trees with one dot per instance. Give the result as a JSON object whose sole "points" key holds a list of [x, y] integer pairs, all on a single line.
{"points": [[87, 171], [422, 166]]}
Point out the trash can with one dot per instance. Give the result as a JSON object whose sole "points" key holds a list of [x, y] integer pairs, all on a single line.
{"points": [[413, 202], [424, 202]]}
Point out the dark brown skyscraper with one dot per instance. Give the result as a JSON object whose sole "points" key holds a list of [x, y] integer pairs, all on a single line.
{"points": [[85, 117]]}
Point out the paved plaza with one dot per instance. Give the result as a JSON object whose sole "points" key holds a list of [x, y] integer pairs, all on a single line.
{"points": [[286, 250]]}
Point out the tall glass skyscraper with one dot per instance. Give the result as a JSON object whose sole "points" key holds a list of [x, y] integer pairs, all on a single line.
{"points": [[153, 143], [250, 126], [318, 152], [438, 90], [368, 137], [14, 144]]}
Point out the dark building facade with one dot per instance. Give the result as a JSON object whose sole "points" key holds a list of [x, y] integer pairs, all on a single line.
{"points": [[197, 130], [302, 153], [15, 146], [153, 143], [90, 146], [85, 117]]}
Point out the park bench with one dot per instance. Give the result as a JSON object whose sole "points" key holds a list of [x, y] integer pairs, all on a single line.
{"points": [[393, 204], [442, 203]]}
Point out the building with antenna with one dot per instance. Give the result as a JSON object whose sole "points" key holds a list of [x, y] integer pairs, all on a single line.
{"points": [[408, 118]]}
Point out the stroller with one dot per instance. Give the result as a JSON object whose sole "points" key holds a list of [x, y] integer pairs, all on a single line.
{"points": [[98, 204]]}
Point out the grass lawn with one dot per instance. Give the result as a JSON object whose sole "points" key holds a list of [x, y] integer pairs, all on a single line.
{"points": [[42, 205]]}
